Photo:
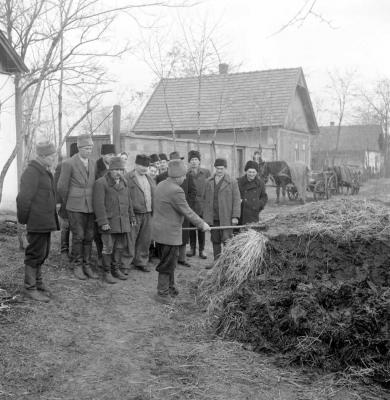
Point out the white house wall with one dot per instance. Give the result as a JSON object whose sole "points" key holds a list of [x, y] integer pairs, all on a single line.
{"points": [[7, 140], [294, 146]]}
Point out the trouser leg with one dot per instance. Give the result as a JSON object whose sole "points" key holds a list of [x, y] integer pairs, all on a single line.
{"points": [[201, 240], [117, 258], [142, 243], [107, 260], [192, 235], [166, 267]]}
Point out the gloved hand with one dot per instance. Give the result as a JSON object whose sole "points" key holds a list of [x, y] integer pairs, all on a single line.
{"points": [[234, 221], [105, 227]]}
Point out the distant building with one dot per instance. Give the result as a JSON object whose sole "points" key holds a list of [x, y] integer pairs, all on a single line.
{"points": [[269, 109], [10, 63], [358, 146]]}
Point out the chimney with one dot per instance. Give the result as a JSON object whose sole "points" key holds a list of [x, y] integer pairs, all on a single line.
{"points": [[223, 68], [331, 123]]}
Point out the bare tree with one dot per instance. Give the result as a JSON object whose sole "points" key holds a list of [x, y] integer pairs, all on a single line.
{"points": [[377, 108], [341, 89], [62, 43]]}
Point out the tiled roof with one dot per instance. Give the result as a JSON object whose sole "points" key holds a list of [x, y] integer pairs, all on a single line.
{"points": [[239, 100], [352, 138], [10, 60]]}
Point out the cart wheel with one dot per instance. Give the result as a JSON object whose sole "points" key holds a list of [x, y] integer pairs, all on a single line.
{"points": [[332, 185], [319, 191], [292, 192]]}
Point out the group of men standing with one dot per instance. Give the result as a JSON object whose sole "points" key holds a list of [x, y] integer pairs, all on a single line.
{"points": [[123, 212]]}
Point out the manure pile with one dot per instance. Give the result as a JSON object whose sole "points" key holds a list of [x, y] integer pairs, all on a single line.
{"points": [[315, 288]]}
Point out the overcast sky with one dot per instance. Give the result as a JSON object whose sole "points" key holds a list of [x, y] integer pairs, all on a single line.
{"points": [[346, 35]]}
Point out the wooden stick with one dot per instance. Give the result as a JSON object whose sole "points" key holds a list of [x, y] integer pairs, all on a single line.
{"points": [[258, 226]]}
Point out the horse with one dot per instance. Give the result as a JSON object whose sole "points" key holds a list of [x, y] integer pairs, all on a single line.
{"points": [[280, 174]]}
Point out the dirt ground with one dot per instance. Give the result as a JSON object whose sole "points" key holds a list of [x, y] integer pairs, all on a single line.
{"points": [[96, 341]]}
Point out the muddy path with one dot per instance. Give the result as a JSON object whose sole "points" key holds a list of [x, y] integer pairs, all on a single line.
{"points": [[96, 341]]}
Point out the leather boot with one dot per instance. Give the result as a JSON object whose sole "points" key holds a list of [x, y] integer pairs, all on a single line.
{"points": [[162, 295], [192, 252], [30, 288], [173, 291], [106, 259], [202, 255], [78, 271], [39, 282], [116, 272], [87, 262]]}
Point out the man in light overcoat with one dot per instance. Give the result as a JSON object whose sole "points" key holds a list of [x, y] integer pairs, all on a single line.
{"points": [[221, 206], [75, 186]]}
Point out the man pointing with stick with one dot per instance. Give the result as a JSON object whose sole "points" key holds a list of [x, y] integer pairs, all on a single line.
{"points": [[170, 208]]}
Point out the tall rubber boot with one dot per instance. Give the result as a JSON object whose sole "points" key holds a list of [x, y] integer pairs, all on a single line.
{"points": [[116, 265], [77, 262], [106, 258], [87, 262], [39, 282], [30, 288]]}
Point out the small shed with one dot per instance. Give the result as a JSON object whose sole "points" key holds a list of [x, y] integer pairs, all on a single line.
{"points": [[358, 146]]}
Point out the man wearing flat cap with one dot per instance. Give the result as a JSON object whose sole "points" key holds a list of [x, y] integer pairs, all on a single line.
{"points": [[221, 206], [253, 194], [75, 186], [114, 217], [36, 208], [141, 187], [170, 209]]}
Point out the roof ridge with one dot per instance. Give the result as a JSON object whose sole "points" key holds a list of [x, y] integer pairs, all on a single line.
{"points": [[235, 73]]}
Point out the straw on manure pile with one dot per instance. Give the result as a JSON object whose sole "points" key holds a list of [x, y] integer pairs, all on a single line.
{"points": [[314, 289]]}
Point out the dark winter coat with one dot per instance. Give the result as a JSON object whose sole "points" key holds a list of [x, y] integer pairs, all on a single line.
{"points": [[170, 209], [228, 204], [112, 204], [253, 199], [190, 192], [36, 200], [100, 168], [200, 185], [136, 192], [75, 185]]}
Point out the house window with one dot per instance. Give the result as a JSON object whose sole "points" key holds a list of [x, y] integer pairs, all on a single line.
{"points": [[296, 152], [304, 152]]}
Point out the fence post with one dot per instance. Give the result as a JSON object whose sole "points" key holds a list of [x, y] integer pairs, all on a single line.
{"points": [[116, 128]]}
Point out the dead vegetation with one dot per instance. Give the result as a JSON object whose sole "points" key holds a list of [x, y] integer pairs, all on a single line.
{"points": [[316, 294]]}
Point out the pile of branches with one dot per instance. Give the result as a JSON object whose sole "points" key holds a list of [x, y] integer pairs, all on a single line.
{"points": [[316, 321]]}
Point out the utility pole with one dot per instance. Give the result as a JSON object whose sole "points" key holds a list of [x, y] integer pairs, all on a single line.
{"points": [[116, 127]]}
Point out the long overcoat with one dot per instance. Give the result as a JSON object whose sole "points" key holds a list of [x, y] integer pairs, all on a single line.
{"points": [[75, 184], [200, 184], [253, 198], [36, 200], [170, 209], [228, 203], [190, 192], [112, 204]]}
